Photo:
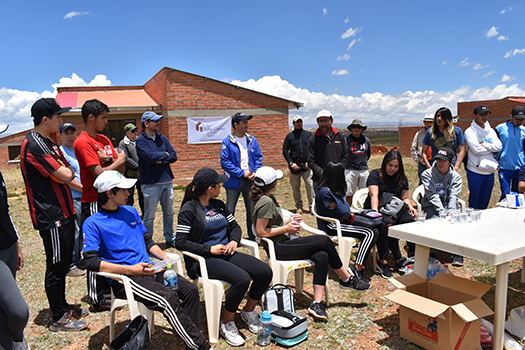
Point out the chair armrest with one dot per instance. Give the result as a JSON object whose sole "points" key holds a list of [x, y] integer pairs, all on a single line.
{"points": [[253, 246], [178, 266], [202, 263], [271, 249], [121, 279]]}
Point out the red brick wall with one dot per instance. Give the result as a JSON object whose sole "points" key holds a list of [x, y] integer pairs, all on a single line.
{"points": [[406, 136]]}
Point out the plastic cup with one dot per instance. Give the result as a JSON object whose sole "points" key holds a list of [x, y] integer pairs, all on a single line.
{"points": [[455, 217], [469, 213], [464, 218], [421, 217], [442, 214], [475, 216]]}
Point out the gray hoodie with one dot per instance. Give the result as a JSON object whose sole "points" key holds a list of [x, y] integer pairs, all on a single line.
{"points": [[441, 192]]}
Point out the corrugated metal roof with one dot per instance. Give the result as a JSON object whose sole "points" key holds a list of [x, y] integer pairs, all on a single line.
{"points": [[118, 98]]}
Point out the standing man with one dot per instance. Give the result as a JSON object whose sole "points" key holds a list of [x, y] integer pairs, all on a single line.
{"points": [[127, 144], [417, 146], [240, 159], [95, 154], [482, 145], [46, 174], [155, 156], [68, 135], [295, 151], [326, 145], [510, 159], [359, 152]]}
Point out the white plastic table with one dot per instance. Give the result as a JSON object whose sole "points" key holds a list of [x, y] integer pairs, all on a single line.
{"points": [[497, 239]]}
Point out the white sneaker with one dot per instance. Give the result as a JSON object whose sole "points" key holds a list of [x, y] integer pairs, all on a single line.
{"points": [[252, 320], [231, 334], [21, 345]]}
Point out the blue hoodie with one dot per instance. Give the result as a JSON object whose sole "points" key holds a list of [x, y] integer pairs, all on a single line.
{"points": [[512, 137]]}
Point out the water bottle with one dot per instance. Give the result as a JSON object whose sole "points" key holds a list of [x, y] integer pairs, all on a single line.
{"points": [[445, 269], [409, 269], [265, 330], [170, 278], [430, 269]]}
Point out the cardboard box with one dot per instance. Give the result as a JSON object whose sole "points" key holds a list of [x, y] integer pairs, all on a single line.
{"points": [[442, 313]]}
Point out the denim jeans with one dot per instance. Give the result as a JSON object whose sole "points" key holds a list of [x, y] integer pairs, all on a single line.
{"points": [[232, 196], [154, 193]]}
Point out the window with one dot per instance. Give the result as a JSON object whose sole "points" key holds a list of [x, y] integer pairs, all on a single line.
{"points": [[114, 130], [14, 152]]}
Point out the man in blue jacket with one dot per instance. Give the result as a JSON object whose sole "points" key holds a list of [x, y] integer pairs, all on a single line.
{"points": [[155, 156], [511, 157], [240, 159]]}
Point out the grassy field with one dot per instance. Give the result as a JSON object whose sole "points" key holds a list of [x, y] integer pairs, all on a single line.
{"points": [[357, 320]]}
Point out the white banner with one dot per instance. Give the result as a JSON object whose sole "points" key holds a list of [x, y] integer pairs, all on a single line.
{"points": [[208, 129]]}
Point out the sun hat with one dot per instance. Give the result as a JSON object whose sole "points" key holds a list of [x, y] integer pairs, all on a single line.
{"points": [[297, 118], [110, 179], [130, 127], [428, 118], [357, 122], [266, 175]]}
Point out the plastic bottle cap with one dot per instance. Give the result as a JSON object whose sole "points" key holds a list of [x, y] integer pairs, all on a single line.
{"points": [[169, 266], [409, 266], [265, 316]]}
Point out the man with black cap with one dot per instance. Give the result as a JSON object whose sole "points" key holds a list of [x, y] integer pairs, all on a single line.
{"points": [[482, 145], [442, 188], [240, 159], [295, 151], [155, 154], [46, 173], [359, 152], [326, 145], [511, 158], [127, 144], [68, 135]]}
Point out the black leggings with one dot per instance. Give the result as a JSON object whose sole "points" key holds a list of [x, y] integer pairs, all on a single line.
{"points": [[385, 243], [319, 249], [239, 270]]}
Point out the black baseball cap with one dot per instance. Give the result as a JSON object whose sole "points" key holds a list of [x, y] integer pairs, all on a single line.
{"points": [[480, 109], [240, 116], [518, 112], [66, 126], [445, 153], [206, 177], [47, 107]]}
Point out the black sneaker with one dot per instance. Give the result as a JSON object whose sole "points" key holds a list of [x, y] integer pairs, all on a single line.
{"points": [[354, 283], [385, 270], [318, 310], [457, 260], [69, 323], [78, 312], [103, 305], [357, 273], [399, 264]]}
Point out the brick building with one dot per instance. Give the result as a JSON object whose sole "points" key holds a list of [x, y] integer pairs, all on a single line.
{"points": [[178, 95], [500, 112]]}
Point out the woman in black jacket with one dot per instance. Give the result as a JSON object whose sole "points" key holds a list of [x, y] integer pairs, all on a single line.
{"points": [[205, 227]]}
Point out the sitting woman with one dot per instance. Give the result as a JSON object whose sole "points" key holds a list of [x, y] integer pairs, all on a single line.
{"points": [[330, 202], [385, 185], [205, 227], [269, 222]]}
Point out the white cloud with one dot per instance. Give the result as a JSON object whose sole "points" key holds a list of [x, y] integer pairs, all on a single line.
{"points": [[345, 57], [347, 20], [463, 63], [492, 32], [479, 66], [506, 10], [353, 43], [75, 80], [340, 72], [506, 78], [514, 53], [72, 14], [502, 38], [489, 73], [351, 32], [325, 11], [375, 107], [444, 62]]}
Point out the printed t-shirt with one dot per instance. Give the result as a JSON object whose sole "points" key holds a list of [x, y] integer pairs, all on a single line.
{"points": [[440, 141], [215, 231]]}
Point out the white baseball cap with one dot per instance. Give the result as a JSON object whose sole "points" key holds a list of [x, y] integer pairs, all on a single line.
{"points": [[110, 179], [266, 175], [324, 113]]}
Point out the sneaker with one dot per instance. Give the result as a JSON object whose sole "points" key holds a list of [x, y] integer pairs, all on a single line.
{"points": [[354, 283], [103, 305], [357, 273], [75, 272], [318, 310], [401, 263], [21, 345], [69, 323], [252, 320], [231, 334], [385, 270], [78, 312], [457, 260]]}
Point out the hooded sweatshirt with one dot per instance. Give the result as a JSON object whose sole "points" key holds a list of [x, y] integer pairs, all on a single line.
{"points": [[441, 192], [481, 157]]}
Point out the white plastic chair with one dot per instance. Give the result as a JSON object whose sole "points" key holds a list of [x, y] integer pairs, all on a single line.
{"points": [[135, 307], [281, 268], [214, 289], [419, 192], [358, 201]]}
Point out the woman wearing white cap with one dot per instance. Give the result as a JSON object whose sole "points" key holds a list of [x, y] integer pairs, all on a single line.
{"points": [[269, 222], [206, 227]]}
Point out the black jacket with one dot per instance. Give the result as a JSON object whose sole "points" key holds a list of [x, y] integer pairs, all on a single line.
{"points": [[295, 148], [322, 150], [191, 224]]}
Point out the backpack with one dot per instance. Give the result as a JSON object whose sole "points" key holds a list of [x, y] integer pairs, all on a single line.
{"points": [[367, 218], [288, 328], [279, 297]]}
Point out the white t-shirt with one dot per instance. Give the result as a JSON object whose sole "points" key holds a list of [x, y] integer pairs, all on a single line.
{"points": [[243, 147]]}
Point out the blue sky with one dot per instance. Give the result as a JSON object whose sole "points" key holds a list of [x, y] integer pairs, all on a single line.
{"points": [[380, 61]]}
